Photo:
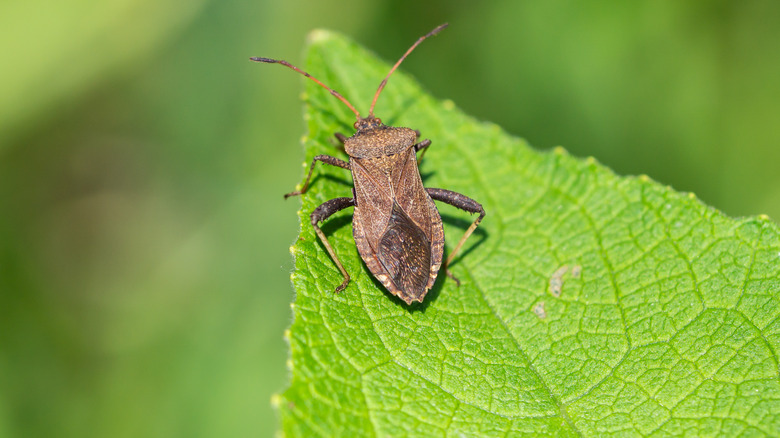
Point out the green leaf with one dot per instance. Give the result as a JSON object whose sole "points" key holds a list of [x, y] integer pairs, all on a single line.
{"points": [[590, 304]]}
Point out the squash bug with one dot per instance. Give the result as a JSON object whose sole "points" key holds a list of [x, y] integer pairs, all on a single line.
{"points": [[396, 226]]}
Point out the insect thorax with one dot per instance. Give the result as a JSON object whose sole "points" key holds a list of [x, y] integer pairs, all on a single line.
{"points": [[380, 141]]}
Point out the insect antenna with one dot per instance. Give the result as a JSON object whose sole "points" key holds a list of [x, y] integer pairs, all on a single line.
{"points": [[332, 91], [384, 81]]}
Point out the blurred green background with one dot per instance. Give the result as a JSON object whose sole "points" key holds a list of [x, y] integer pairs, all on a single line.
{"points": [[144, 265]]}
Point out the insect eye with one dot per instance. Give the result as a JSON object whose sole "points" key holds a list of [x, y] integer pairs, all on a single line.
{"points": [[377, 121]]}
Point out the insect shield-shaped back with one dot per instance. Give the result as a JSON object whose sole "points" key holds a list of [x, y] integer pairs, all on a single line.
{"points": [[396, 225]]}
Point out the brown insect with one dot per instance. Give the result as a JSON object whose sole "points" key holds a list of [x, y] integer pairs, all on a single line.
{"points": [[396, 225]]}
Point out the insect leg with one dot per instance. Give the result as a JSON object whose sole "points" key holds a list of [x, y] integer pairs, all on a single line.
{"points": [[341, 137], [423, 145], [324, 211], [464, 203], [327, 159], [342, 141]]}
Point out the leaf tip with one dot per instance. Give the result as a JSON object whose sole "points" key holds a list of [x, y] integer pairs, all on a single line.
{"points": [[319, 35], [276, 400]]}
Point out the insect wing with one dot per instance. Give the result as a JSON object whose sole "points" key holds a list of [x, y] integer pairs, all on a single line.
{"points": [[405, 253]]}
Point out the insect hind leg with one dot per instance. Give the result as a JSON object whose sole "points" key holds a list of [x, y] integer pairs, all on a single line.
{"points": [[323, 212], [464, 203]]}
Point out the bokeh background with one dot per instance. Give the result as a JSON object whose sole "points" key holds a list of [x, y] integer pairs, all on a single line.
{"points": [[144, 265]]}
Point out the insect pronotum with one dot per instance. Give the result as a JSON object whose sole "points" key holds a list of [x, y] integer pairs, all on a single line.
{"points": [[396, 226]]}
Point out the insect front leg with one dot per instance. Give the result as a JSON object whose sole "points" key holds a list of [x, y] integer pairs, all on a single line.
{"points": [[422, 145], [327, 159], [464, 203], [321, 213]]}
